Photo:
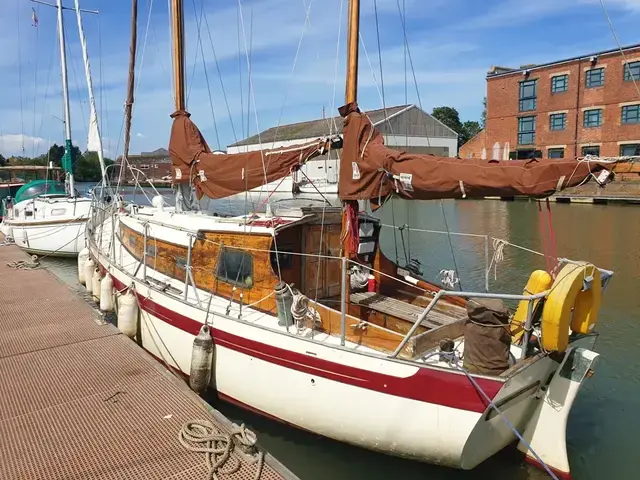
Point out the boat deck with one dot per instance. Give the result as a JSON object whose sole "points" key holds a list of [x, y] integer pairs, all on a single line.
{"points": [[80, 400], [403, 310]]}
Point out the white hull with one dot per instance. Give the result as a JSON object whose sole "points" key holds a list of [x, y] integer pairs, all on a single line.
{"points": [[49, 226], [318, 386]]}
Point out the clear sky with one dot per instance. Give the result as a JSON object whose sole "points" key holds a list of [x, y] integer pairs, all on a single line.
{"points": [[295, 71]]}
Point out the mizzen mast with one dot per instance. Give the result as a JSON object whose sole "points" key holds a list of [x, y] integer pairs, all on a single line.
{"points": [[353, 37], [177, 29]]}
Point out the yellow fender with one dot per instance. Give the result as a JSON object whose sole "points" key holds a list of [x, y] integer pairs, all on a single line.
{"points": [[567, 295], [539, 281]]}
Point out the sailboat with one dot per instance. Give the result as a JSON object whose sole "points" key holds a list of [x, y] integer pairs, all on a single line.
{"points": [[296, 314], [48, 217]]}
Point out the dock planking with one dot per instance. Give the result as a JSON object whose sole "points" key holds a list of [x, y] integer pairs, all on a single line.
{"points": [[80, 400]]}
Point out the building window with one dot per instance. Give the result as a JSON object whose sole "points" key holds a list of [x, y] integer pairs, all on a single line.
{"points": [[559, 83], [592, 118], [630, 150], [595, 150], [526, 130], [631, 114], [143, 167], [594, 77], [557, 121], [528, 94], [235, 267], [632, 71], [555, 153]]}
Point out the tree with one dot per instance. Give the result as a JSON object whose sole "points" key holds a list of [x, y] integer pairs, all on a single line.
{"points": [[483, 116], [3, 161], [470, 129], [55, 154], [450, 117], [88, 167]]}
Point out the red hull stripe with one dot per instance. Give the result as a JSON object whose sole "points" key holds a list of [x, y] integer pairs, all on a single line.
{"points": [[561, 475], [426, 385]]}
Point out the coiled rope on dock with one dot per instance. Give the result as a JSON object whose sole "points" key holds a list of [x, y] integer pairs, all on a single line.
{"points": [[218, 446], [25, 264]]}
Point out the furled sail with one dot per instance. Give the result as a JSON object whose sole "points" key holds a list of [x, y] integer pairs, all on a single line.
{"points": [[370, 170], [222, 175], [94, 141]]}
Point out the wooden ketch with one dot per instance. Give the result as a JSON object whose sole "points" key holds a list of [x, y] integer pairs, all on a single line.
{"points": [[299, 330]]}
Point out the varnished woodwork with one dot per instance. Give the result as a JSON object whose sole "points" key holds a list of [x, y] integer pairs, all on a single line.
{"points": [[353, 39], [322, 276], [360, 333], [177, 28], [205, 255], [170, 259], [426, 341]]}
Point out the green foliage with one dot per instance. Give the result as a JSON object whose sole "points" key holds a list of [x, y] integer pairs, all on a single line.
{"points": [[483, 115], [471, 128], [3, 161], [451, 118], [86, 165]]}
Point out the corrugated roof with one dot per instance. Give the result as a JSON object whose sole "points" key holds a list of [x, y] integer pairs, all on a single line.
{"points": [[315, 128]]}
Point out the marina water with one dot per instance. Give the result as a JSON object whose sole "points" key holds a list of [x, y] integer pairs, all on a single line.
{"points": [[604, 421]]}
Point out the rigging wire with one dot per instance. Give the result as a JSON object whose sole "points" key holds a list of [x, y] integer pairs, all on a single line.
{"points": [[240, 73], [195, 59], [224, 92], [35, 84], [20, 75], [46, 88], [206, 74], [615, 36], [75, 77], [104, 110]]}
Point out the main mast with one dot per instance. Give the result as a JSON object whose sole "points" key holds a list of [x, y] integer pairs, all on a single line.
{"points": [[350, 207], [67, 159]]}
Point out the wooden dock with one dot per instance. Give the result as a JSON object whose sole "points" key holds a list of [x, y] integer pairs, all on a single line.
{"points": [[79, 400]]}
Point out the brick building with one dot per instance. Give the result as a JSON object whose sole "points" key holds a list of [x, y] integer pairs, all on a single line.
{"points": [[155, 165], [569, 108]]}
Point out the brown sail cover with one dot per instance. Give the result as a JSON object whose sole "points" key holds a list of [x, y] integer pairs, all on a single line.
{"points": [[221, 175], [368, 168]]}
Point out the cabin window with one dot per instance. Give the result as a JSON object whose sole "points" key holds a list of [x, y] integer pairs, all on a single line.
{"points": [[150, 251], [235, 267], [181, 263], [58, 211], [132, 240]]}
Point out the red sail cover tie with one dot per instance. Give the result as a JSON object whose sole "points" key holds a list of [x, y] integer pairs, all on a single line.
{"points": [[366, 162]]}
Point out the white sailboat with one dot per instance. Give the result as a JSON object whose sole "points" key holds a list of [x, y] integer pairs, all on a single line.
{"points": [[299, 316], [48, 217]]}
